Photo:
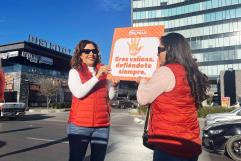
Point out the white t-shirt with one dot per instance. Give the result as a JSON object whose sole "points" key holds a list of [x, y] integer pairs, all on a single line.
{"points": [[162, 80], [80, 90]]}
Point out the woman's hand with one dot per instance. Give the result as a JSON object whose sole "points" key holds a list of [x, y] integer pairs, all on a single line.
{"points": [[115, 81], [137, 80], [105, 69]]}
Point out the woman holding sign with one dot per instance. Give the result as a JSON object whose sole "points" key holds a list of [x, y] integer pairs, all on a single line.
{"points": [[174, 92], [89, 117]]}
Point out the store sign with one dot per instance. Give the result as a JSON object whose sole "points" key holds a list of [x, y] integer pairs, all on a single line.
{"points": [[49, 45], [36, 58], [7, 55]]}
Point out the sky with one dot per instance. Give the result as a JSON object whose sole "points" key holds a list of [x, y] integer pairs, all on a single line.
{"points": [[64, 22]]}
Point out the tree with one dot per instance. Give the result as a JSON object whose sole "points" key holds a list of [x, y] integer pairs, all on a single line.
{"points": [[48, 88]]}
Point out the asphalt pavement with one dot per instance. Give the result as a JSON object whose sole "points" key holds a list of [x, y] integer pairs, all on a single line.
{"points": [[41, 135]]}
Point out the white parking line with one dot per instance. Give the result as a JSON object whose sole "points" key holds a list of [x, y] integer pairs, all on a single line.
{"points": [[46, 140]]}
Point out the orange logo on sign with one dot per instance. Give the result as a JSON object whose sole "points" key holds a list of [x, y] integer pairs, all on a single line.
{"points": [[134, 47]]}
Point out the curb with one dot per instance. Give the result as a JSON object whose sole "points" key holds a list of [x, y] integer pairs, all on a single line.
{"points": [[48, 110], [139, 121]]}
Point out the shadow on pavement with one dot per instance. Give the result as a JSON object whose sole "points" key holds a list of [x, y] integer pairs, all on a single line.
{"points": [[17, 130], [33, 117], [30, 117], [34, 147], [2, 143]]}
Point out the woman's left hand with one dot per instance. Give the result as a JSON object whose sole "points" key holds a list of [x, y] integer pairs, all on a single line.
{"points": [[115, 81]]}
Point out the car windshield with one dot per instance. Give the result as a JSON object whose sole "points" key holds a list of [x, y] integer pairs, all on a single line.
{"points": [[121, 98], [236, 110]]}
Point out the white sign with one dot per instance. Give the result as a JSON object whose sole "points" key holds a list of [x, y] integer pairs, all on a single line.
{"points": [[7, 55], [37, 59]]}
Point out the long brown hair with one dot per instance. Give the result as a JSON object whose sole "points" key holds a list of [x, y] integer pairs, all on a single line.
{"points": [[178, 51], [76, 61]]}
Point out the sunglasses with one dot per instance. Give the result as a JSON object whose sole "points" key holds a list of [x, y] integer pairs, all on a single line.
{"points": [[87, 51], [161, 49]]}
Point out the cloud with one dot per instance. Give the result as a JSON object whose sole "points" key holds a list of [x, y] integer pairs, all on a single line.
{"points": [[113, 5]]}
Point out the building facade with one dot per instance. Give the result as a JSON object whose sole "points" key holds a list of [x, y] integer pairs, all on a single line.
{"points": [[27, 64], [212, 28]]}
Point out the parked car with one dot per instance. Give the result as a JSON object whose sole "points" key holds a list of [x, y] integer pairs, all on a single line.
{"points": [[223, 137], [12, 110], [221, 117], [123, 102]]}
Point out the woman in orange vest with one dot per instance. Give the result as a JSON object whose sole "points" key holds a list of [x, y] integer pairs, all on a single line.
{"points": [[175, 92], [89, 117]]}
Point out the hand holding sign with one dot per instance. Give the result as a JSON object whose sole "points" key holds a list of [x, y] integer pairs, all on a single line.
{"points": [[114, 81], [105, 69]]}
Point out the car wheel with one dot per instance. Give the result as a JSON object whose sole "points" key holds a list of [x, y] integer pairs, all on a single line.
{"points": [[233, 147]]}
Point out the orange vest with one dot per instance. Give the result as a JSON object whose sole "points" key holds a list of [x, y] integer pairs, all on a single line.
{"points": [[173, 125], [92, 110]]}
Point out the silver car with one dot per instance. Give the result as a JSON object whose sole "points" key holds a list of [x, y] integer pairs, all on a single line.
{"points": [[222, 117]]}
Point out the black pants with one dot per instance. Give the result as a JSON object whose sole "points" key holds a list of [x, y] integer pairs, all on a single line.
{"points": [[78, 145]]}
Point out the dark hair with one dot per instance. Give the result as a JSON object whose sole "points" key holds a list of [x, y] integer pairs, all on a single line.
{"points": [[178, 51], [76, 61]]}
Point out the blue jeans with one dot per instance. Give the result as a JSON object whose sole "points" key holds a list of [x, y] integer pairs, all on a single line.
{"points": [[162, 156], [80, 137]]}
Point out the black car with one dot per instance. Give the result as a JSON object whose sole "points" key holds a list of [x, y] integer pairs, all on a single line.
{"points": [[123, 102], [223, 137]]}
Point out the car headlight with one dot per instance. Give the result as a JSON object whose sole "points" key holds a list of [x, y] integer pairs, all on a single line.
{"points": [[215, 132]]}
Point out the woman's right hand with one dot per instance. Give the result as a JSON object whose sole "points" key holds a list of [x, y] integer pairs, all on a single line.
{"points": [[137, 80], [105, 69]]}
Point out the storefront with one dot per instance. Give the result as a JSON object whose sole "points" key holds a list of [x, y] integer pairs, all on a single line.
{"points": [[26, 64]]}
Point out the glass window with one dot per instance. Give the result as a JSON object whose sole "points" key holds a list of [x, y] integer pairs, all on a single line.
{"points": [[207, 17], [169, 12], [225, 27], [215, 29], [238, 12], [226, 41], [219, 16], [209, 4], [165, 12], [219, 3], [215, 3], [220, 28], [228, 2], [231, 27], [232, 40], [227, 14], [154, 13], [223, 13], [194, 19], [199, 18], [220, 40], [234, 1], [238, 54], [232, 13], [213, 17]]}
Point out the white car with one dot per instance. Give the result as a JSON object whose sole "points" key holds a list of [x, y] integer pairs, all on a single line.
{"points": [[12, 110], [222, 117]]}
